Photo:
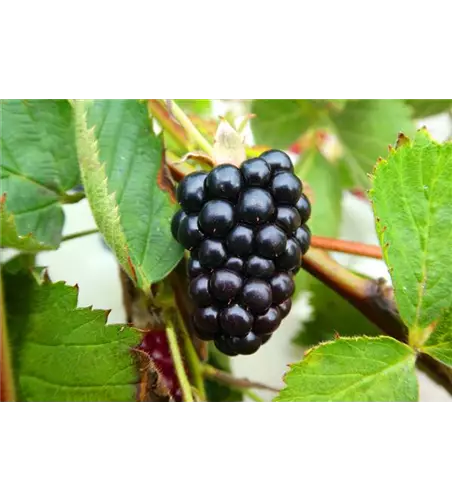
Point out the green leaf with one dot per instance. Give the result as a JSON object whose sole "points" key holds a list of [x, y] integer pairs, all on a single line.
{"points": [[124, 178], [201, 107], [355, 369], [38, 165], [439, 344], [366, 128], [61, 353], [10, 237], [428, 107], [412, 192], [280, 122]]}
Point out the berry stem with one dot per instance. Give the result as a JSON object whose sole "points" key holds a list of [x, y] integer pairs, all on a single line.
{"points": [[252, 395], [350, 247], [193, 133], [178, 168], [167, 122], [375, 301], [227, 379], [192, 358], [79, 234], [7, 388], [178, 362]]}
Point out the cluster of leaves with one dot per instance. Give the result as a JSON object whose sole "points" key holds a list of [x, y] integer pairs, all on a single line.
{"points": [[59, 352]]}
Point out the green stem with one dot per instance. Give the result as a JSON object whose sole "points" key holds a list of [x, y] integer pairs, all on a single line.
{"points": [[192, 359], [178, 363], [68, 199], [7, 388], [252, 395], [225, 378], [193, 133], [79, 234]]}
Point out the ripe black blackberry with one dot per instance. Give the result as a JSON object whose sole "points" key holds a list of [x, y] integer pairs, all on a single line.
{"points": [[246, 232]]}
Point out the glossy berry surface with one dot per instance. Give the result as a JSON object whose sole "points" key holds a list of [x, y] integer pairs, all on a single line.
{"points": [[255, 206], [282, 287], [225, 285], [286, 188], [285, 307], [190, 192], [278, 160], [246, 345], [291, 256], [216, 218], [304, 208], [211, 254], [235, 264], [246, 233], [189, 234], [288, 218], [194, 267], [303, 237], [206, 319], [224, 181], [271, 241], [199, 291], [256, 172], [235, 321], [259, 267], [268, 322], [257, 296], [175, 223], [240, 241]]}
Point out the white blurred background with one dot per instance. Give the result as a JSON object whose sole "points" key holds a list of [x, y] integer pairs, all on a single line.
{"points": [[88, 263]]}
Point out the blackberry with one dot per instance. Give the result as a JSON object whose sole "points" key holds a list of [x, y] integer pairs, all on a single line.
{"points": [[304, 208], [190, 192], [216, 218], [278, 160], [189, 234], [256, 172], [211, 254], [246, 233], [234, 264], [224, 181], [255, 206]]}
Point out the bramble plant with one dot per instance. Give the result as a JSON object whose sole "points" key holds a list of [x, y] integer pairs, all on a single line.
{"points": [[171, 186]]}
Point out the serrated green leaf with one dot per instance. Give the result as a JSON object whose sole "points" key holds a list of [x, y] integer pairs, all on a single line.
{"points": [[439, 344], [280, 122], [10, 238], [61, 353], [38, 165], [366, 128], [127, 158], [428, 107], [201, 107], [355, 369], [411, 194]]}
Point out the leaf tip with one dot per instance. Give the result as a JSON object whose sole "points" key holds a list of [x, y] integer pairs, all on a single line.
{"points": [[402, 140]]}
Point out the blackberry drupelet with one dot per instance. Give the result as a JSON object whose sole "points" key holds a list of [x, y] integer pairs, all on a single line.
{"points": [[246, 232]]}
